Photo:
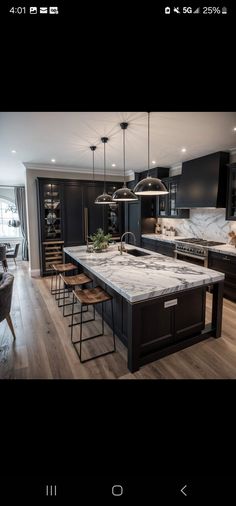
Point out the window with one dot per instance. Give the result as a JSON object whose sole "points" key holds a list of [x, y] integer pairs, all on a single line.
{"points": [[9, 220]]}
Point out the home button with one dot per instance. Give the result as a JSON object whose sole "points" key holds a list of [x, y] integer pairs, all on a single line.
{"points": [[117, 490]]}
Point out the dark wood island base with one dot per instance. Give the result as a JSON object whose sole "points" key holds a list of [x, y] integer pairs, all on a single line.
{"points": [[159, 326]]}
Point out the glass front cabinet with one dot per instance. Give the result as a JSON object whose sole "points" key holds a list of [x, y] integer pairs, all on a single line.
{"points": [[231, 193], [50, 225], [52, 211], [166, 204]]}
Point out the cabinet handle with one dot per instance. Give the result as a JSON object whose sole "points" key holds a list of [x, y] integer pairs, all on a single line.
{"points": [[226, 258]]}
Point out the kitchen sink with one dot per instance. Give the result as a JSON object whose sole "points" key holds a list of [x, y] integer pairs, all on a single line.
{"points": [[137, 252]]}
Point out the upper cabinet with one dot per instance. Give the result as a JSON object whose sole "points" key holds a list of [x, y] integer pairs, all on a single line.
{"points": [[166, 204], [231, 193], [114, 214], [203, 182], [51, 198], [67, 215]]}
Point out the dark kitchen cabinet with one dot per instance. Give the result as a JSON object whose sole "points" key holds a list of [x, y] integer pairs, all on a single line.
{"points": [[163, 323], [203, 182], [231, 192], [73, 214], [166, 204], [94, 213], [50, 224], [133, 221], [133, 215], [67, 214], [140, 216], [162, 247], [227, 264], [50, 195], [114, 214]]}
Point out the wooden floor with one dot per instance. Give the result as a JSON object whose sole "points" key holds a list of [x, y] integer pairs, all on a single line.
{"points": [[43, 349]]}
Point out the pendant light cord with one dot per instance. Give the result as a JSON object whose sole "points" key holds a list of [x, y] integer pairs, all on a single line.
{"points": [[104, 188], [148, 143], [124, 153], [93, 165]]}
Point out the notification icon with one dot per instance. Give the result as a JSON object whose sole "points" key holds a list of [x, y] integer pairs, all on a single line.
{"points": [[33, 10]]}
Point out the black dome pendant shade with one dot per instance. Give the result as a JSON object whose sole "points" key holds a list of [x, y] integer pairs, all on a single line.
{"points": [[150, 185], [124, 194], [104, 198]]}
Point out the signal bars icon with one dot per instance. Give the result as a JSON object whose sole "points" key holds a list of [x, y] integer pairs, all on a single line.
{"points": [[197, 11]]}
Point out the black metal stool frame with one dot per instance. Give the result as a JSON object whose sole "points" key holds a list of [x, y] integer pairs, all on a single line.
{"points": [[79, 353], [70, 303], [56, 291], [75, 271]]}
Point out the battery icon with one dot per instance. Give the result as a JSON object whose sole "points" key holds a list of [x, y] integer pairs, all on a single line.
{"points": [[224, 10]]}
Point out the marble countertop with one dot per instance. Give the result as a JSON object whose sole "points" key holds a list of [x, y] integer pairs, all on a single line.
{"points": [[161, 237], [224, 248], [142, 278]]}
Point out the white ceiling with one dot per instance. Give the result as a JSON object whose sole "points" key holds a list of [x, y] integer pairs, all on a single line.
{"points": [[66, 136]]}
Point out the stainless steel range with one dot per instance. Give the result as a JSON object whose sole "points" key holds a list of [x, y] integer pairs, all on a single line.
{"points": [[194, 250]]}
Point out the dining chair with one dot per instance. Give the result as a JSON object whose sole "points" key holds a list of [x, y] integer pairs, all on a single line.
{"points": [[13, 253], [3, 256]]}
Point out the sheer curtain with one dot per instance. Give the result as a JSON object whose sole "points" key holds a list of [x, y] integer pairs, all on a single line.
{"points": [[21, 207]]}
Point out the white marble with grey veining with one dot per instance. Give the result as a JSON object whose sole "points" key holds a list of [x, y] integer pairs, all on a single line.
{"points": [[227, 249], [209, 224], [142, 278], [162, 237]]}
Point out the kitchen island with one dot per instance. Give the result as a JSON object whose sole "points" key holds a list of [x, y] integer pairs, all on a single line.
{"points": [[159, 302]]}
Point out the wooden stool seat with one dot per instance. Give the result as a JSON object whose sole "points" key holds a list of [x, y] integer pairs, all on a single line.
{"points": [[64, 267], [58, 268], [87, 297], [92, 296], [78, 279]]}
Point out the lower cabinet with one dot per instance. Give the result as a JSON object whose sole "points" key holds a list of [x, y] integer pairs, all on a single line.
{"points": [[171, 319], [226, 264], [162, 247]]}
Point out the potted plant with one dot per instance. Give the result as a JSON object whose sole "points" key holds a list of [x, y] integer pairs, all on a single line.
{"points": [[100, 240]]}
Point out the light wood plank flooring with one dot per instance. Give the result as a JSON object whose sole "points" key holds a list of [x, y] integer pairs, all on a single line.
{"points": [[43, 349]]}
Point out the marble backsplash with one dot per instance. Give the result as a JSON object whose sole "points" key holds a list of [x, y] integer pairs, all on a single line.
{"points": [[207, 224]]}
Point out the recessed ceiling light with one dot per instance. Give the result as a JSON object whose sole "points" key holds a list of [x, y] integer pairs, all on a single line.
{"points": [[234, 129], [153, 161], [183, 150], [113, 165], [53, 160], [13, 151]]}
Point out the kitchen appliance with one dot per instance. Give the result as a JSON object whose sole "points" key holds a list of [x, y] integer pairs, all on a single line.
{"points": [[194, 250]]}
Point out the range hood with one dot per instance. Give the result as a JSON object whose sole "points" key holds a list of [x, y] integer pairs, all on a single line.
{"points": [[203, 182]]}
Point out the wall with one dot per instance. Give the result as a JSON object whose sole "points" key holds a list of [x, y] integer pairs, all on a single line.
{"points": [[31, 203]]}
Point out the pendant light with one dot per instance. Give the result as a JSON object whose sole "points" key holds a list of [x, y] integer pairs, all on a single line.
{"points": [[93, 149], [124, 194], [104, 198], [150, 185]]}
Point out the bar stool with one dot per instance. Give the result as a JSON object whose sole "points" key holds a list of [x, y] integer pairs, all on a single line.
{"points": [[60, 268], [71, 282], [86, 297]]}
